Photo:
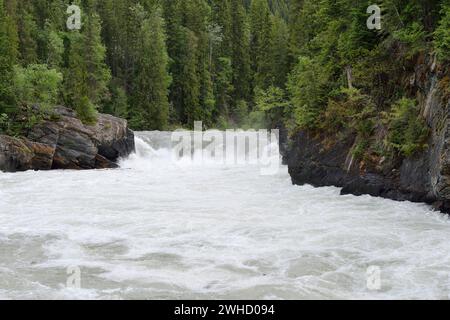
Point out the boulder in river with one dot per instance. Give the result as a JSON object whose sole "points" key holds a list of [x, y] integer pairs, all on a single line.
{"points": [[64, 142]]}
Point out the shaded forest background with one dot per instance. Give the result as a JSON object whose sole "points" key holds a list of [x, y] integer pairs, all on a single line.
{"points": [[300, 64]]}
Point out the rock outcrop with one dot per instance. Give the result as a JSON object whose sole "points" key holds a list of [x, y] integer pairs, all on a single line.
{"points": [[424, 177], [66, 143]]}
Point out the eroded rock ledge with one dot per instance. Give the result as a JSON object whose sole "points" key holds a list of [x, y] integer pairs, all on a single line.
{"points": [[425, 177], [66, 143]]}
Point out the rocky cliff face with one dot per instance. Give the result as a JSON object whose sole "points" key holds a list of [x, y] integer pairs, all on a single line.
{"points": [[66, 143], [425, 177]]}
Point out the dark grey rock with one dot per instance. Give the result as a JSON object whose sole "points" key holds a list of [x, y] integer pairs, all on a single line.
{"points": [[425, 177], [66, 143]]}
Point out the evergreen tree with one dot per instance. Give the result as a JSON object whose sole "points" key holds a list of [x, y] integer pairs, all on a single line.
{"points": [[28, 32], [224, 86], [261, 32], [240, 55], [221, 16], [8, 57], [54, 46], [279, 51], [87, 75], [175, 44], [150, 96], [94, 55], [76, 79], [442, 34], [189, 81]]}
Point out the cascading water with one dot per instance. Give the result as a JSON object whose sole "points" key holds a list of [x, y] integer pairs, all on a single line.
{"points": [[157, 229]]}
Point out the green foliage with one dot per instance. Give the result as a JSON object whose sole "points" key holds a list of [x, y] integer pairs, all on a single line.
{"points": [[8, 58], [36, 84], [54, 46], [261, 28], [86, 76], [28, 33], [224, 87], [270, 99], [86, 111], [413, 36], [306, 86], [272, 103], [349, 109], [4, 123], [442, 35], [279, 52], [98, 73], [240, 112], [118, 104], [360, 148], [408, 131], [240, 54], [161, 63], [152, 82], [256, 120]]}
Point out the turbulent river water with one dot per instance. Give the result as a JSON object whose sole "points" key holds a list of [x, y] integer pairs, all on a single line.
{"points": [[154, 229]]}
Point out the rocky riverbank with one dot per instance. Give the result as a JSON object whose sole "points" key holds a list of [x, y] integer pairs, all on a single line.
{"points": [[63, 142], [321, 160]]}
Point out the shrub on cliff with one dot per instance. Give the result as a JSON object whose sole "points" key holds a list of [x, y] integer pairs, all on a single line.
{"points": [[408, 131], [442, 35]]}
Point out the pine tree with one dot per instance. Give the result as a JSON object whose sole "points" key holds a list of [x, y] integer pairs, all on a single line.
{"points": [[240, 54], [54, 46], [99, 74], [260, 45], [76, 78], [175, 44], [8, 57], [442, 34], [189, 81], [150, 97], [221, 16], [196, 19], [28, 32], [279, 51], [87, 75]]}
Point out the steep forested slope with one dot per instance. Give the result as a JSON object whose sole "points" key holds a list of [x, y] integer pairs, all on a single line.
{"points": [[306, 64]]}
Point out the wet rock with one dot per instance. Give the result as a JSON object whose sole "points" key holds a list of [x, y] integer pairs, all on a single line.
{"points": [[14, 154], [322, 160], [64, 142]]}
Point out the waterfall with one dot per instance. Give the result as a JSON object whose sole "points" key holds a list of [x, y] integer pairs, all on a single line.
{"points": [[217, 148]]}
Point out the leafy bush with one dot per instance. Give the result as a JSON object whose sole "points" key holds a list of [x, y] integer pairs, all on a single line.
{"points": [[86, 111], [36, 84], [349, 110], [408, 131]]}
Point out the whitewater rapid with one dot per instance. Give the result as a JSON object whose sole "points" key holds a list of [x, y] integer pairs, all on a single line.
{"points": [[155, 229]]}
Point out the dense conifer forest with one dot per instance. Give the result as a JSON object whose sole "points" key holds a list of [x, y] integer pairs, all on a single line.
{"points": [[161, 64]]}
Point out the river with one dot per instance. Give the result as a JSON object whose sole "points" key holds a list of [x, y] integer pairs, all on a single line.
{"points": [[153, 229]]}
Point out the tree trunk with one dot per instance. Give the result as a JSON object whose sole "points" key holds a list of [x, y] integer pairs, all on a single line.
{"points": [[349, 72]]}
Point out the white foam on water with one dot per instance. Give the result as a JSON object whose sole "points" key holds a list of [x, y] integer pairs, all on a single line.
{"points": [[156, 229]]}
